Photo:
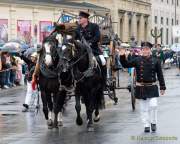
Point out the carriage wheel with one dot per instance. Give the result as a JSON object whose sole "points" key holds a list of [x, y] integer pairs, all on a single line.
{"points": [[112, 96], [111, 88], [133, 85], [133, 99], [114, 92]]}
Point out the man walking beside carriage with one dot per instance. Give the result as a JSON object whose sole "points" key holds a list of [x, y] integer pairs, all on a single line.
{"points": [[147, 69]]}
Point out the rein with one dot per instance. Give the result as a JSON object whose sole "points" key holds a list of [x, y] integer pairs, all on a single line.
{"points": [[78, 59]]}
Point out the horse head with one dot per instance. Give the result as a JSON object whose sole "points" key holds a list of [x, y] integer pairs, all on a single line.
{"points": [[66, 52], [49, 48]]}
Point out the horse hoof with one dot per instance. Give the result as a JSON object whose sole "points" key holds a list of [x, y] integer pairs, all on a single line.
{"points": [[60, 123], [115, 101], [55, 125], [97, 118], [50, 124], [79, 121], [90, 128], [50, 127]]}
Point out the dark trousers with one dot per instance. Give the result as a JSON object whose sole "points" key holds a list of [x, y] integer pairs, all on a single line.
{"points": [[7, 77], [12, 76], [2, 79]]}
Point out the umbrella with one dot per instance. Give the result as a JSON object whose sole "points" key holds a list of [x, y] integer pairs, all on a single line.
{"points": [[1, 43], [29, 51], [17, 41], [11, 47], [175, 47], [23, 44], [125, 45], [166, 48]]}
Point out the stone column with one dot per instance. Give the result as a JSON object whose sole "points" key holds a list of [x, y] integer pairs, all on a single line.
{"points": [[141, 34], [35, 27], [56, 15], [121, 17], [115, 20], [148, 31], [12, 23], [125, 37], [134, 25]]}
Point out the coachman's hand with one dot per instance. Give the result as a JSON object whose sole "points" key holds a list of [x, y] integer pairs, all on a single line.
{"points": [[162, 92]]}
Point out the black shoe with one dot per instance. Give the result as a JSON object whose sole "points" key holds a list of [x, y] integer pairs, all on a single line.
{"points": [[147, 129], [153, 127], [26, 106]]}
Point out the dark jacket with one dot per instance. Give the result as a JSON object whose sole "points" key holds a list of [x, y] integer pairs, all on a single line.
{"points": [[30, 67], [92, 34], [148, 70], [4, 64]]}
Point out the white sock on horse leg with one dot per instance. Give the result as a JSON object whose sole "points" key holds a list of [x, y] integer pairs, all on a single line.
{"points": [[50, 115], [60, 117]]}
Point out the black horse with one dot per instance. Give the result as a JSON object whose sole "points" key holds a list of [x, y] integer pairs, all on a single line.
{"points": [[88, 78], [52, 81]]}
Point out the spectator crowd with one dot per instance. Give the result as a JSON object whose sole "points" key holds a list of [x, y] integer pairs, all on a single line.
{"points": [[12, 70]]}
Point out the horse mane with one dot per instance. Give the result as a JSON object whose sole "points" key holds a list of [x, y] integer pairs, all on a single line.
{"points": [[50, 38], [66, 28]]}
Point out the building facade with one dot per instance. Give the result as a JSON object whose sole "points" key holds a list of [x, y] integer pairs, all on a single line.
{"points": [[32, 20], [164, 13], [131, 18]]}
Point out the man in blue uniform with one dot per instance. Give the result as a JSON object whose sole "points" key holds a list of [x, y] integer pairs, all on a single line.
{"points": [[148, 70]]}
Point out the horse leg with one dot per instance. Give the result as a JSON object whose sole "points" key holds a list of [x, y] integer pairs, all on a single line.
{"points": [[56, 111], [50, 108], [79, 120], [45, 109], [60, 119], [97, 116], [62, 99], [59, 102], [97, 103], [89, 111]]}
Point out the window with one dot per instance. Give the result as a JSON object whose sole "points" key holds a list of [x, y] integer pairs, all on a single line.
{"points": [[177, 2], [172, 22], [172, 2], [167, 1], [167, 21], [161, 20], [177, 22], [155, 19], [162, 35], [167, 36]]}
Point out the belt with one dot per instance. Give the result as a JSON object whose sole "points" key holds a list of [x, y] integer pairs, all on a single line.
{"points": [[145, 84]]}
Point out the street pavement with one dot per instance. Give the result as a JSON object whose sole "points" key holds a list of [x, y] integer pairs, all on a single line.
{"points": [[118, 125]]}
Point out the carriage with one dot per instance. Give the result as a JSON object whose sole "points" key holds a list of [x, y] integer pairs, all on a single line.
{"points": [[109, 42]]}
